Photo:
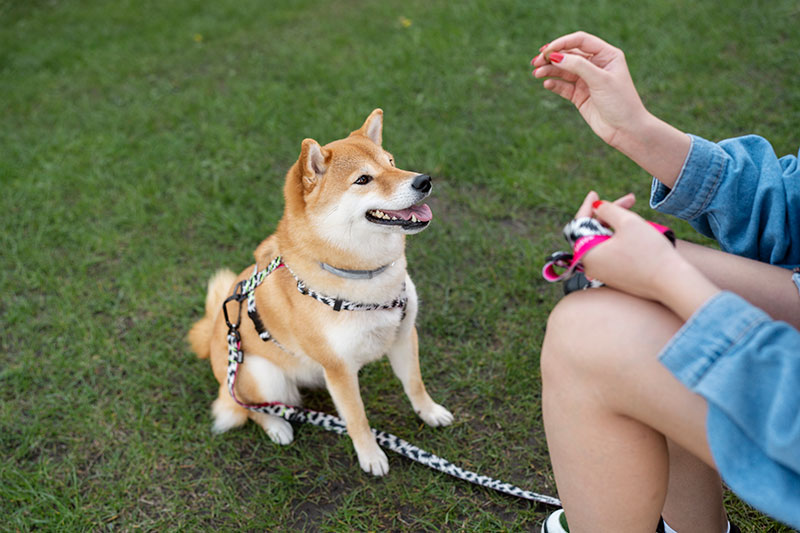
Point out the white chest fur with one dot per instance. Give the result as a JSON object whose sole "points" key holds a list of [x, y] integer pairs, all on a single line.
{"points": [[360, 337]]}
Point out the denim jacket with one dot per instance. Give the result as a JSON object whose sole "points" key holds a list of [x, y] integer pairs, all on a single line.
{"points": [[746, 365]]}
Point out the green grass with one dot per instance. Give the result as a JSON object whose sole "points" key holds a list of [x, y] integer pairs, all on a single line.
{"points": [[144, 144]]}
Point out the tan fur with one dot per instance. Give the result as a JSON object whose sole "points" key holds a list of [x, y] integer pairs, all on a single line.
{"points": [[325, 221], [219, 287]]}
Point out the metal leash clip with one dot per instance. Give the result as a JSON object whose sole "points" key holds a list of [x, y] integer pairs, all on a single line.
{"points": [[234, 337]]}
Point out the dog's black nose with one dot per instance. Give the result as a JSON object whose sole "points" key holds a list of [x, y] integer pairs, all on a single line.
{"points": [[422, 183]]}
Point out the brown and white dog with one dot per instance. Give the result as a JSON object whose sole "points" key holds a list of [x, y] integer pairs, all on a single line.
{"points": [[348, 211]]}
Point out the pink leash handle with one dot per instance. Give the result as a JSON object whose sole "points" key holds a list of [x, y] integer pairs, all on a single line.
{"points": [[594, 233]]}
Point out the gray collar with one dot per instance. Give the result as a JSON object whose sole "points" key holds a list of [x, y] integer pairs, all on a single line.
{"points": [[354, 274]]}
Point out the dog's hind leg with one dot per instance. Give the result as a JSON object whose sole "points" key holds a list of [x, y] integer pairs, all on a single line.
{"points": [[268, 383], [227, 413], [265, 383], [404, 357]]}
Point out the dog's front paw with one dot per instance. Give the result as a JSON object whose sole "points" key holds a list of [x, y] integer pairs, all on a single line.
{"points": [[373, 461], [279, 430], [436, 415]]}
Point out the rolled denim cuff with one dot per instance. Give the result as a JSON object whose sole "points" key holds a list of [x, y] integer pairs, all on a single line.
{"points": [[696, 184]]}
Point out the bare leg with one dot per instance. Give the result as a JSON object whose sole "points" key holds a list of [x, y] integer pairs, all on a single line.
{"points": [[608, 404], [694, 497], [765, 286]]}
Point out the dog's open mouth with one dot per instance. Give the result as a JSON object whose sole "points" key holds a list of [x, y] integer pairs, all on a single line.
{"points": [[416, 216]]}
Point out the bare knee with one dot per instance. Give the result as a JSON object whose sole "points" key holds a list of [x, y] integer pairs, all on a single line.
{"points": [[593, 335], [571, 336]]}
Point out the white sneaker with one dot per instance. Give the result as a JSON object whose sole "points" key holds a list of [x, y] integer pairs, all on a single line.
{"points": [[556, 523]]}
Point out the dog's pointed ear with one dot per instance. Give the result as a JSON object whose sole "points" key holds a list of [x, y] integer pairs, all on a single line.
{"points": [[313, 162], [372, 127]]}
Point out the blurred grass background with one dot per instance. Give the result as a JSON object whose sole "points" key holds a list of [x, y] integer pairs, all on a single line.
{"points": [[144, 144]]}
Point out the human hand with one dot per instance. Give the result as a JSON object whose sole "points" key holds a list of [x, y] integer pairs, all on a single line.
{"points": [[594, 76], [640, 261], [586, 209]]}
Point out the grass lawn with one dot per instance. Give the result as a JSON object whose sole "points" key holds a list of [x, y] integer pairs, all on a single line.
{"points": [[144, 144]]}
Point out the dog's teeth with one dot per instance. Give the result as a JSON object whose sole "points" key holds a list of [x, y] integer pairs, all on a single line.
{"points": [[413, 218], [378, 214], [394, 218]]}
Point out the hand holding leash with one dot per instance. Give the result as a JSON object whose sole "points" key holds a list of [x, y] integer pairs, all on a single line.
{"points": [[637, 260], [584, 233]]}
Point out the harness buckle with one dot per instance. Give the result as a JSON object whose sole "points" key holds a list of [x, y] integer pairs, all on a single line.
{"points": [[237, 296]]}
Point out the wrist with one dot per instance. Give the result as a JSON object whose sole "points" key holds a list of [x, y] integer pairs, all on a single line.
{"points": [[656, 146], [681, 287], [639, 124]]}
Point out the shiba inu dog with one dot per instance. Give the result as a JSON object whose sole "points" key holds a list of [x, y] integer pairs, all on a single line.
{"points": [[348, 209]]}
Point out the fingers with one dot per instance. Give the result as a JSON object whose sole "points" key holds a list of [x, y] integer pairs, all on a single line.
{"points": [[560, 81], [580, 40], [613, 215], [626, 201], [562, 88], [582, 67], [549, 70], [585, 210], [543, 59]]}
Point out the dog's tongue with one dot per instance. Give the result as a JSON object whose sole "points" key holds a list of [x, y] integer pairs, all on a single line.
{"points": [[422, 212]]}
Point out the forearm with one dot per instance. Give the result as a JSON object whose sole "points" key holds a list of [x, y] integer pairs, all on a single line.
{"points": [[768, 287], [683, 288], [654, 145]]}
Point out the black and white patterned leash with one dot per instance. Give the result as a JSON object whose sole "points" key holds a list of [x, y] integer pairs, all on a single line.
{"points": [[329, 422]]}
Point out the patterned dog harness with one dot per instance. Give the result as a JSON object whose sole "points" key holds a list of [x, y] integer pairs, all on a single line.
{"points": [[245, 290], [583, 234]]}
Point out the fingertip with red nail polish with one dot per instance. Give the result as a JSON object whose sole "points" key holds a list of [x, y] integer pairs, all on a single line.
{"points": [[556, 57]]}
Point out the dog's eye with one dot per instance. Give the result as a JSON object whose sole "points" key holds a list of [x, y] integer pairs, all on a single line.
{"points": [[363, 179]]}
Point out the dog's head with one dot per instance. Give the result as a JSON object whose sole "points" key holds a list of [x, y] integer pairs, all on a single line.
{"points": [[352, 193]]}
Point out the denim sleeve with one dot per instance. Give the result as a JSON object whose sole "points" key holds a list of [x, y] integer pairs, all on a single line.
{"points": [[740, 193], [747, 367]]}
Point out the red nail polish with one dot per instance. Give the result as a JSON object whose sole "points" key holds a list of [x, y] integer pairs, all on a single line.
{"points": [[533, 60], [543, 47], [596, 204], [555, 57]]}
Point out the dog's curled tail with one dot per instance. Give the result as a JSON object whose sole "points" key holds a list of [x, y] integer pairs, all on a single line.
{"points": [[219, 286]]}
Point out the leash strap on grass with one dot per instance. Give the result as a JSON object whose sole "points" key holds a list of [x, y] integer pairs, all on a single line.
{"points": [[387, 440], [391, 442], [404, 448]]}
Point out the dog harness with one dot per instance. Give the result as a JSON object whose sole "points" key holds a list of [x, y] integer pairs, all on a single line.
{"points": [[583, 234], [245, 290]]}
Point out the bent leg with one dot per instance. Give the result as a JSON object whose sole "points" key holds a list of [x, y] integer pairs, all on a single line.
{"points": [[694, 497], [609, 404], [766, 286]]}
